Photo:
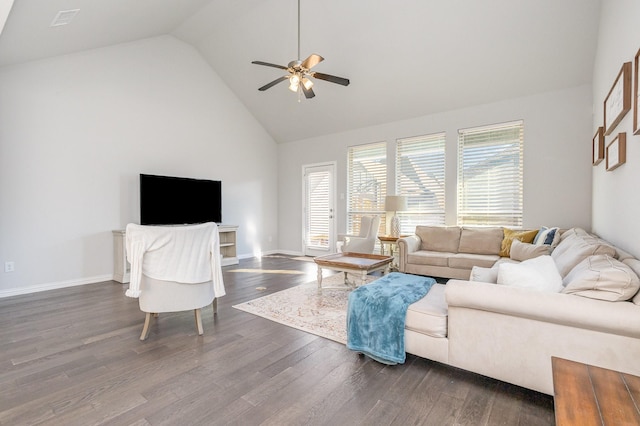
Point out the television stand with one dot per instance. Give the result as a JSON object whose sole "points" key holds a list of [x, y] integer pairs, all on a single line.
{"points": [[228, 240], [121, 268]]}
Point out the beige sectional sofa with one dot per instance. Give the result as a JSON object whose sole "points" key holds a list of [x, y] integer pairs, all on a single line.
{"points": [[510, 332]]}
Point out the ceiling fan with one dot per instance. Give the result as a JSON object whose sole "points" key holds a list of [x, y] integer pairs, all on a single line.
{"points": [[299, 72]]}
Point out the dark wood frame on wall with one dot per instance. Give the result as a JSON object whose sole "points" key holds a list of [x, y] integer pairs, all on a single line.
{"points": [[619, 99], [620, 142], [636, 111], [597, 147]]}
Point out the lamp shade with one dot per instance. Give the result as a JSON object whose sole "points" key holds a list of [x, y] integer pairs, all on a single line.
{"points": [[395, 203]]}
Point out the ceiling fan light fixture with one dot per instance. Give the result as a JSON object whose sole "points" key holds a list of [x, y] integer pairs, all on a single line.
{"points": [[308, 84], [295, 83]]}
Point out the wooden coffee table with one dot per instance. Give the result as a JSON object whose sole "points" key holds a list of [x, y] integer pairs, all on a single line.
{"points": [[359, 264]]}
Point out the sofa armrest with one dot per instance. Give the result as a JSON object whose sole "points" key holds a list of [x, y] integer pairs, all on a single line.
{"points": [[621, 318], [407, 245]]}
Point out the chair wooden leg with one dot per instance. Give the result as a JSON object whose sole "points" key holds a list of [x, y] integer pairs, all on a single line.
{"points": [[198, 322], [145, 329], [215, 306]]}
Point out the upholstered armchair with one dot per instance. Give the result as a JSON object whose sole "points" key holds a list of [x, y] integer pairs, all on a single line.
{"points": [[365, 241], [174, 268]]}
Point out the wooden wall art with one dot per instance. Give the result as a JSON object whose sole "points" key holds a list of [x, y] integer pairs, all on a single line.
{"points": [[617, 152], [636, 110], [597, 147], [618, 101]]}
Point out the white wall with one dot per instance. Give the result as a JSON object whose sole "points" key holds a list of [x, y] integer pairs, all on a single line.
{"points": [[557, 170], [616, 204], [76, 131]]}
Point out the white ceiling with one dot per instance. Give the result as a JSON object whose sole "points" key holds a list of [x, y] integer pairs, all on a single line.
{"points": [[405, 58]]}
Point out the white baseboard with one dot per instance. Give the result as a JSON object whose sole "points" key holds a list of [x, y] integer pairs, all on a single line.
{"points": [[54, 286], [269, 252], [288, 252], [100, 278]]}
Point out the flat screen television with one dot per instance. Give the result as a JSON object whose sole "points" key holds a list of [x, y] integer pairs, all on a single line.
{"points": [[167, 200]]}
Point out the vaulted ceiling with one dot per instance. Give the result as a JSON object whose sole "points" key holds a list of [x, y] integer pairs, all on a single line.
{"points": [[405, 58]]}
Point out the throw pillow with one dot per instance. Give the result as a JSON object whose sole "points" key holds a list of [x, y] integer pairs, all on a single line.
{"points": [[602, 277], [539, 274], [512, 234], [525, 251], [485, 275], [548, 236], [574, 249]]}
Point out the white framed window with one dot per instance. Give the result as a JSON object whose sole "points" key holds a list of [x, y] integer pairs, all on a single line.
{"points": [[490, 175], [420, 176], [366, 183]]}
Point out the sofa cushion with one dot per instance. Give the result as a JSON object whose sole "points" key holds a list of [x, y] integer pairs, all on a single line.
{"points": [[526, 236], [547, 236], [431, 258], [575, 248], [524, 251], [480, 240], [468, 261], [602, 277], [489, 275], [573, 232], [539, 274], [484, 275], [439, 238], [622, 255], [429, 314], [634, 264]]}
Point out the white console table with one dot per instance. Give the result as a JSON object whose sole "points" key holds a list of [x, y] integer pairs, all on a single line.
{"points": [[121, 268]]}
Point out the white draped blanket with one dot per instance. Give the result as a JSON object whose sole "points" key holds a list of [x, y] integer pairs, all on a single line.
{"points": [[190, 254]]}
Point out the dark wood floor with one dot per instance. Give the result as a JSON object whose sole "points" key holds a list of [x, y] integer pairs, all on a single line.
{"points": [[72, 356]]}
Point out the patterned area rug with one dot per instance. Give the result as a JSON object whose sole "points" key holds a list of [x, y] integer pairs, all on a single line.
{"points": [[303, 308]]}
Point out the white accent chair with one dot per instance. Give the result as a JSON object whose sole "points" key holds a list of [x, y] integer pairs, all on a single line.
{"points": [[173, 269], [365, 241]]}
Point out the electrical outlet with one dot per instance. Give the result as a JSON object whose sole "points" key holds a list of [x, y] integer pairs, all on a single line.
{"points": [[9, 266]]}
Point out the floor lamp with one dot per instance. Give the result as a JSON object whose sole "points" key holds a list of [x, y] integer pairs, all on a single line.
{"points": [[395, 203]]}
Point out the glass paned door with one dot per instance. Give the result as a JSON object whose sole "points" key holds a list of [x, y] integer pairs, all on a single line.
{"points": [[319, 201]]}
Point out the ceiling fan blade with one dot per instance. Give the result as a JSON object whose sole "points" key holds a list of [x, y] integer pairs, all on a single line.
{"points": [[308, 93], [311, 61], [273, 83], [267, 64], [331, 78]]}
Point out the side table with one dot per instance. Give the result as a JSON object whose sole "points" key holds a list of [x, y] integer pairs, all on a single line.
{"points": [[388, 240]]}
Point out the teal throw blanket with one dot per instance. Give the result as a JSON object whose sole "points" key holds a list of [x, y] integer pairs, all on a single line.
{"points": [[377, 312]]}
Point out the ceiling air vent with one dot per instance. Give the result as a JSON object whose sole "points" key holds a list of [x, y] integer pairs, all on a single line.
{"points": [[64, 17]]}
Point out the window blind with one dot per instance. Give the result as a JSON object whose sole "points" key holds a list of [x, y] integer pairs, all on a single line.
{"points": [[318, 210], [366, 183], [490, 175], [420, 175]]}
